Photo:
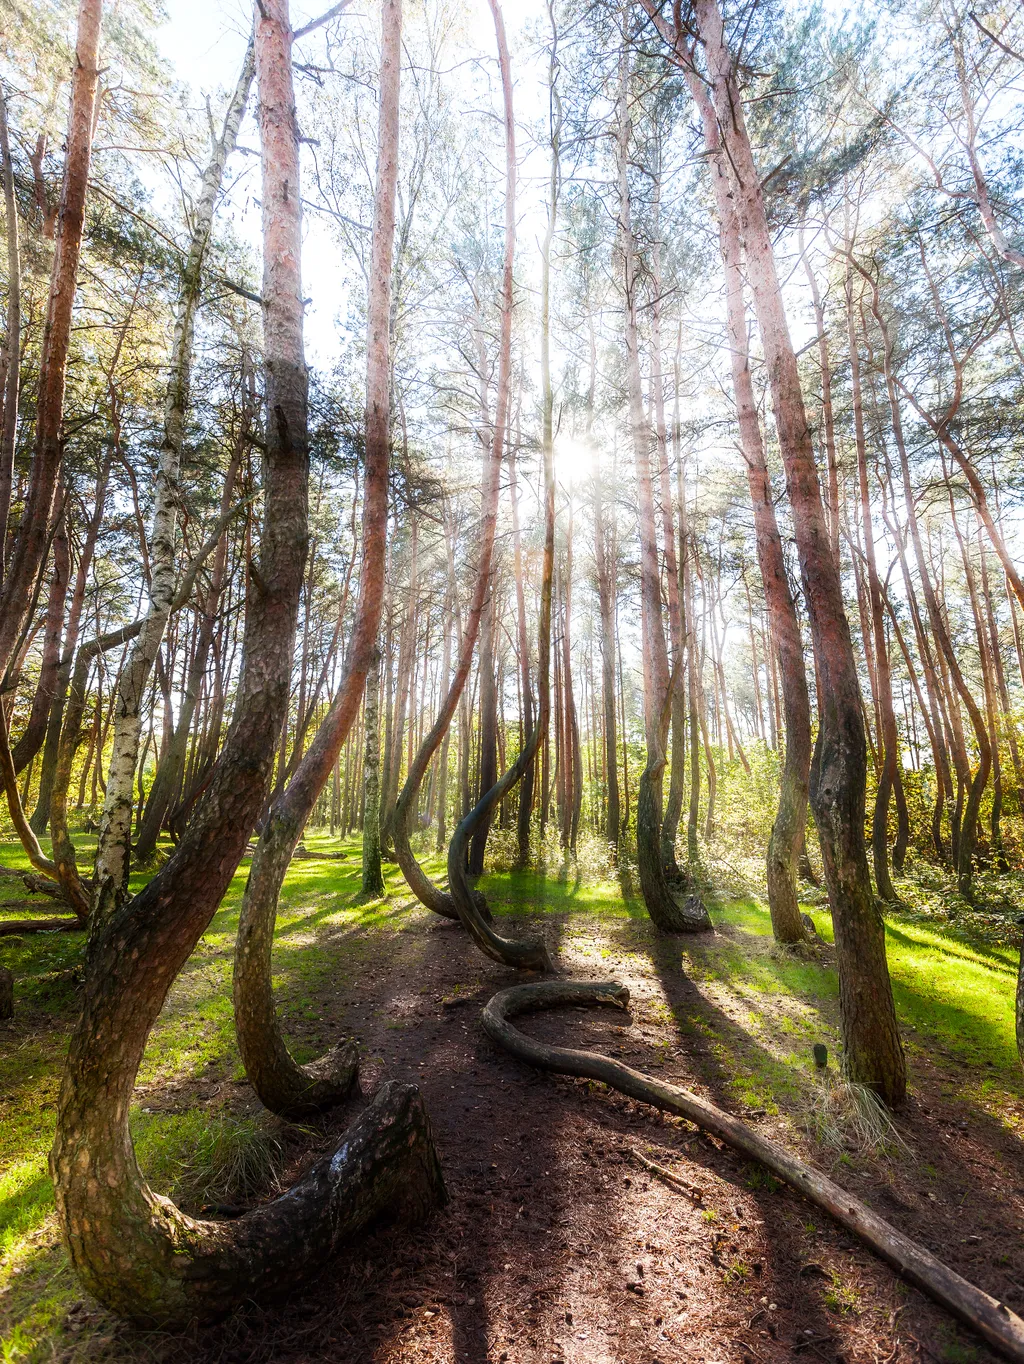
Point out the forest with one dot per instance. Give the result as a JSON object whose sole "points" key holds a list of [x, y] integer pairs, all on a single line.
{"points": [[512, 682]]}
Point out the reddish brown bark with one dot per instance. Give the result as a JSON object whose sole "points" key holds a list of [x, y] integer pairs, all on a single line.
{"points": [[873, 1053], [788, 828], [281, 1083], [31, 541]]}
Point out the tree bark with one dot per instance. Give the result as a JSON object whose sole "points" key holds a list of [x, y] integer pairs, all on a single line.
{"points": [[881, 674], [31, 542], [470, 906], [114, 839], [668, 915], [873, 1054], [787, 834], [283, 1085], [373, 876], [135, 1251], [10, 357]]}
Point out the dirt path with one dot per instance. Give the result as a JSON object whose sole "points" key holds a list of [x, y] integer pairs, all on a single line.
{"points": [[557, 1245]]}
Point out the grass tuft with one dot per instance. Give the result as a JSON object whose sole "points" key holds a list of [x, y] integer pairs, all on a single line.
{"points": [[851, 1117], [199, 1158]]}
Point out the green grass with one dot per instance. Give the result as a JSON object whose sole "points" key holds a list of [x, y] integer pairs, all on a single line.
{"points": [[194, 1156], [759, 1011], [958, 994]]}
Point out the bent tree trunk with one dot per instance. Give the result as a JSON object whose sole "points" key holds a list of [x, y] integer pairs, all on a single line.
{"points": [[873, 1054], [419, 883], [134, 1250], [281, 1083], [666, 912], [527, 955], [787, 834]]}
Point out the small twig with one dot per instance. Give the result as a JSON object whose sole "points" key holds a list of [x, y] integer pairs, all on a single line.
{"points": [[668, 1176]]}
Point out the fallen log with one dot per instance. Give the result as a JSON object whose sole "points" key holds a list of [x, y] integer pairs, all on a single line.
{"points": [[993, 1320], [40, 885], [9, 927]]}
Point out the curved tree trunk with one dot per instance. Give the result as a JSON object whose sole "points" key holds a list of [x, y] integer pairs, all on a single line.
{"points": [[422, 887], [134, 1250], [668, 915], [281, 1083], [526, 955]]}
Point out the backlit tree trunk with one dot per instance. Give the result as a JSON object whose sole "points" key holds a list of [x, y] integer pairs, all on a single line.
{"points": [[873, 1054], [31, 542], [281, 1083], [131, 1248], [668, 915], [788, 828], [10, 357]]}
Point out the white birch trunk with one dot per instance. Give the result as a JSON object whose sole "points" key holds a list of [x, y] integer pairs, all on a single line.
{"points": [[114, 841]]}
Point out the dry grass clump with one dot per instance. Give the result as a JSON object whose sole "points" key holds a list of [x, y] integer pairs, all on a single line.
{"points": [[851, 1117]]}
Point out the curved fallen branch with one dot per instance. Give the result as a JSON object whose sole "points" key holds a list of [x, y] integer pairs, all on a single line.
{"points": [[1001, 1328]]}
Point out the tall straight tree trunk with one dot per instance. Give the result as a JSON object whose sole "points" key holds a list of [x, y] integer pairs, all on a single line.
{"points": [[132, 1249], [281, 1083], [488, 730], [604, 555], [31, 542], [787, 834], [873, 1054], [882, 674], [10, 357], [525, 811], [113, 848], [48, 686], [965, 821], [373, 876], [674, 805]]}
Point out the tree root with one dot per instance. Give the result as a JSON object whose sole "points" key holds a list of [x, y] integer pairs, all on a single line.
{"points": [[999, 1327], [180, 1269]]}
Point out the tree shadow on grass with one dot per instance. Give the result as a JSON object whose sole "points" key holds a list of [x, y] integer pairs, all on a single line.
{"points": [[719, 1048]]}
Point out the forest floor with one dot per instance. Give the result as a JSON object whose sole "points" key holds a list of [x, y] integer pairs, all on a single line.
{"points": [[557, 1244]]}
